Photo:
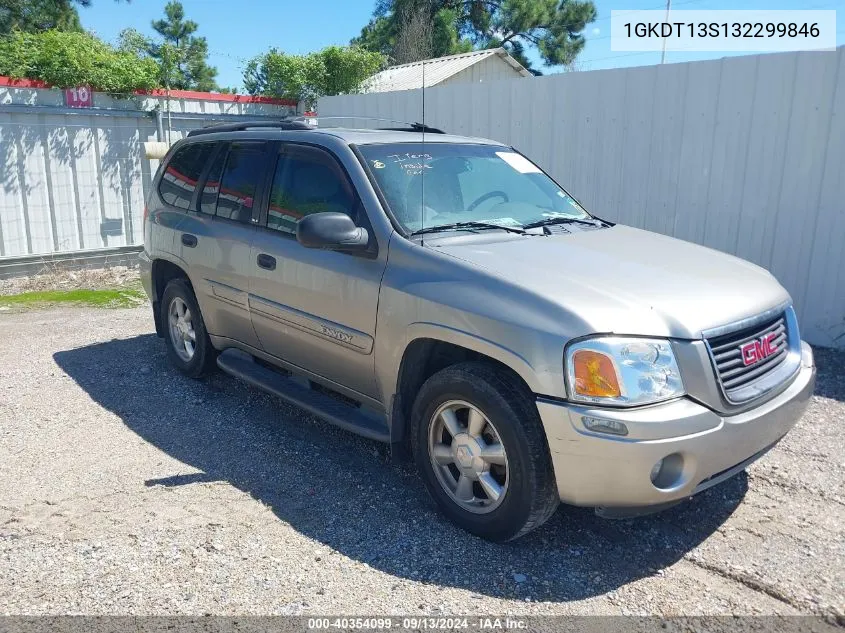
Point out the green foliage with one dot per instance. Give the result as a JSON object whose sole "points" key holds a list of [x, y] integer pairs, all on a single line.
{"points": [[446, 34], [378, 36], [396, 23], [124, 297], [180, 55], [35, 16], [68, 59], [280, 75], [344, 69], [553, 27], [333, 70]]}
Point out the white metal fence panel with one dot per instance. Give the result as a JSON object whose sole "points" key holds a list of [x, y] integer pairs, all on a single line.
{"points": [[77, 179], [743, 154]]}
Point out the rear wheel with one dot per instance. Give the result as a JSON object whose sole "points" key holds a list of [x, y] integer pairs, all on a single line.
{"points": [[188, 345], [482, 453]]}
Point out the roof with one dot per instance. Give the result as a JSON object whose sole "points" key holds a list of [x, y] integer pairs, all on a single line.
{"points": [[410, 76], [366, 137], [347, 135]]}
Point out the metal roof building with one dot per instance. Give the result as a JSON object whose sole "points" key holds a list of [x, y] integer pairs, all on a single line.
{"points": [[472, 67]]}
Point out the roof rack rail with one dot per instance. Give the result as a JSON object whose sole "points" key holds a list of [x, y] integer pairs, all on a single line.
{"points": [[408, 127], [247, 125], [415, 127]]}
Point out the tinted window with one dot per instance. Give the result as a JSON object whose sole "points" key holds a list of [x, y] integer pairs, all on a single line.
{"points": [[179, 180], [243, 170], [307, 180], [208, 200]]}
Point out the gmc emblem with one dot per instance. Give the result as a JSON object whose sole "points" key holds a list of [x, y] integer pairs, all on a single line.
{"points": [[755, 351]]}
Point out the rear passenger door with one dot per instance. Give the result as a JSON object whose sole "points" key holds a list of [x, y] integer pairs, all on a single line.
{"points": [[315, 309], [178, 189], [217, 233]]}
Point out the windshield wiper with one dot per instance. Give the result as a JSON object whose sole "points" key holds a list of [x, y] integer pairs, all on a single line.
{"points": [[563, 220], [467, 225]]}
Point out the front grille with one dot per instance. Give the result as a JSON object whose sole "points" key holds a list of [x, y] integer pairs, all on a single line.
{"points": [[726, 351]]}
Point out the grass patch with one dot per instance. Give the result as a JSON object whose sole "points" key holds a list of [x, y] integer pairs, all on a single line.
{"points": [[125, 297]]}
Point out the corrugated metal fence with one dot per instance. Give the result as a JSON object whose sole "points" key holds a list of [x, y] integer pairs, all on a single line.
{"points": [[76, 179], [743, 154]]}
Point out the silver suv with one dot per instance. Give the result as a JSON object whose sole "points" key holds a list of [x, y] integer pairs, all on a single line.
{"points": [[445, 295]]}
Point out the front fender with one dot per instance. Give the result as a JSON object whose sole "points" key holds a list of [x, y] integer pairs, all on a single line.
{"points": [[426, 294], [439, 332]]}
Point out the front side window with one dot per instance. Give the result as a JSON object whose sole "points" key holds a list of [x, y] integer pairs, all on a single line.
{"points": [[307, 180], [179, 180], [238, 185], [435, 184]]}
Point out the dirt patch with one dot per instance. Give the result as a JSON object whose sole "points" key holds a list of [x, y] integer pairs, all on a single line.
{"points": [[54, 278]]}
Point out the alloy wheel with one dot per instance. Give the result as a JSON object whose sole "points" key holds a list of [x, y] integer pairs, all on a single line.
{"points": [[468, 457], [182, 332]]}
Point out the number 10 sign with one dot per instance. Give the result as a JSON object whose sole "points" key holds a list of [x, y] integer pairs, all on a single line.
{"points": [[79, 97]]}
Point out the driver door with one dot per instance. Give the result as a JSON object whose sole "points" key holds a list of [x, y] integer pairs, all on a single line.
{"points": [[315, 309]]}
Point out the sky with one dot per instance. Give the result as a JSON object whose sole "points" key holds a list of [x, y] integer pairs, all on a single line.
{"points": [[237, 31]]}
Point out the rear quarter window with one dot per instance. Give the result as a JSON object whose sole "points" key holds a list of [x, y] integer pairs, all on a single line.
{"points": [[179, 179]]}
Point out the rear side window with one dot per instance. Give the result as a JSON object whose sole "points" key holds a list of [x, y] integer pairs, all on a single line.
{"points": [[243, 171], [307, 180], [179, 180]]}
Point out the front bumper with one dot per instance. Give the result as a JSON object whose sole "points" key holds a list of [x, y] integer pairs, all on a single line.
{"points": [[597, 469]]}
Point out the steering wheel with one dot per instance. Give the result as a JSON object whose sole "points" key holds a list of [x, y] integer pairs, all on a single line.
{"points": [[487, 196]]}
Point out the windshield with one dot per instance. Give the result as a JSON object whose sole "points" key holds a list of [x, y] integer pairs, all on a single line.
{"points": [[465, 183]]}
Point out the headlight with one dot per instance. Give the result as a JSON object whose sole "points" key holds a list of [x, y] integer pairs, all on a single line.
{"points": [[622, 371]]}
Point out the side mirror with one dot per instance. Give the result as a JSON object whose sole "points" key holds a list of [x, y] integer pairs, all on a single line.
{"points": [[331, 231]]}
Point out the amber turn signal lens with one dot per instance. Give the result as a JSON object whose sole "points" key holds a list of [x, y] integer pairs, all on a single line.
{"points": [[595, 375]]}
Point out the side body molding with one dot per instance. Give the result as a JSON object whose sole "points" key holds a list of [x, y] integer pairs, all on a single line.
{"points": [[310, 324]]}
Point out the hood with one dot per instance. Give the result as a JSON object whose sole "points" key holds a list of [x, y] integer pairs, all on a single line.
{"points": [[628, 281]]}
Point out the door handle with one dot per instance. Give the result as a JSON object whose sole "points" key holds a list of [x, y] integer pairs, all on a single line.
{"points": [[189, 240], [266, 261]]}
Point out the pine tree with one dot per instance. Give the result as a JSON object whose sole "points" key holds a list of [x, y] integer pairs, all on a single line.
{"points": [[553, 27], [181, 55], [36, 16]]}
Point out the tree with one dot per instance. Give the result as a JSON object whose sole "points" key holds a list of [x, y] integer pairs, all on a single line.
{"points": [[414, 38], [68, 59], [36, 16], [181, 56], [553, 27], [33, 16], [333, 70], [406, 31]]}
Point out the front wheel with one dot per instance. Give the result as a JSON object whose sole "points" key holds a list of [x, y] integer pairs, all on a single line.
{"points": [[482, 453]]}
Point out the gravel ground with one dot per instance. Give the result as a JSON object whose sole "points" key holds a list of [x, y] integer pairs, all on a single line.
{"points": [[126, 488]]}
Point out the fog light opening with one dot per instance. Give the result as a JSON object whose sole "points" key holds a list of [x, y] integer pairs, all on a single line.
{"points": [[668, 472]]}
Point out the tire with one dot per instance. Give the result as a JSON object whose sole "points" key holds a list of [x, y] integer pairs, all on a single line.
{"points": [[527, 492], [203, 359]]}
